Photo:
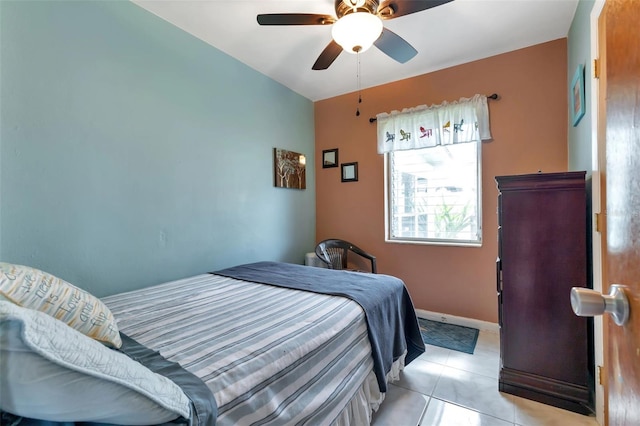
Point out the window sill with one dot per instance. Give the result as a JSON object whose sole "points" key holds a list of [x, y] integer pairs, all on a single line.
{"points": [[436, 242]]}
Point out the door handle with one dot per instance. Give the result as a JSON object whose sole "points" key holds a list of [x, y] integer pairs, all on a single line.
{"points": [[588, 303]]}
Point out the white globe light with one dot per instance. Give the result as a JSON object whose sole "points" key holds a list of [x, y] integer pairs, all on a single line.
{"points": [[356, 32]]}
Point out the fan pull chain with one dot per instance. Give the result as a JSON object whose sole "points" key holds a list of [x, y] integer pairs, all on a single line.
{"points": [[359, 89]]}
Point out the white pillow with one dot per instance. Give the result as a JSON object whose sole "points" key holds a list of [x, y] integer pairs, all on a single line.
{"points": [[35, 289], [50, 371]]}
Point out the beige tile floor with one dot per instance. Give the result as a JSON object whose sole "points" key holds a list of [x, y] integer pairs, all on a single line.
{"points": [[462, 389]]}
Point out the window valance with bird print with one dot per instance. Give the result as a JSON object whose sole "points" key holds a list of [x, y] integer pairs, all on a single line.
{"points": [[465, 120]]}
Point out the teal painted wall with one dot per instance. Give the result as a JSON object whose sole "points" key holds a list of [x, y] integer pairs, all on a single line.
{"points": [[133, 153], [579, 52], [579, 142]]}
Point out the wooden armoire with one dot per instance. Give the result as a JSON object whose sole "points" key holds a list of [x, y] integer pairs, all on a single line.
{"points": [[546, 351]]}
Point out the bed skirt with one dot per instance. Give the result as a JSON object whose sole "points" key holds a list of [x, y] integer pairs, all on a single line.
{"points": [[368, 398]]}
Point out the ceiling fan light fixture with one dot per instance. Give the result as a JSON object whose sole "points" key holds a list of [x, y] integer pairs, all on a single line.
{"points": [[356, 32], [354, 4]]}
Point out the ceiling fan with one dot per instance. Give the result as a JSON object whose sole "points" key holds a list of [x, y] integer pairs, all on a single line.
{"points": [[358, 26]]}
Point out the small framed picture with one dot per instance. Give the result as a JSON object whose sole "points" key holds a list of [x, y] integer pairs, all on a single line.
{"points": [[576, 96], [349, 172], [330, 158]]}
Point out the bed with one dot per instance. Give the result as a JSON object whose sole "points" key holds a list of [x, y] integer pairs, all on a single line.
{"points": [[273, 343]]}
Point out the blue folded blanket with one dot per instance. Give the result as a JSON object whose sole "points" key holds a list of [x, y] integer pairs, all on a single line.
{"points": [[391, 319]]}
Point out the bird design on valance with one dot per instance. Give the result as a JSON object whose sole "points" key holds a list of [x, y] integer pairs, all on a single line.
{"points": [[465, 120]]}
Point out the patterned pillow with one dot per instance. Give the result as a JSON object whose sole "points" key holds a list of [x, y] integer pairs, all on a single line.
{"points": [[35, 289]]}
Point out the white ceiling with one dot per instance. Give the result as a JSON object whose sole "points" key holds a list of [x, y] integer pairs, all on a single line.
{"points": [[448, 35]]}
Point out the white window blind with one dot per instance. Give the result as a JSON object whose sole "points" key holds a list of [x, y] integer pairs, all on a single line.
{"points": [[433, 195]]}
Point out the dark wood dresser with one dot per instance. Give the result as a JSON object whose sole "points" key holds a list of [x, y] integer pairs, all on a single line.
{"points": [[545, 349]]}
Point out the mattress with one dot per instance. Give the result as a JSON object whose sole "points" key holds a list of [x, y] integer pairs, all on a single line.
{"points": [[269, 355]]}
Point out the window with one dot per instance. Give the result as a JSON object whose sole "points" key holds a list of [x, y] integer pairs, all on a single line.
{"points": [[433, 195], [433, 171]]}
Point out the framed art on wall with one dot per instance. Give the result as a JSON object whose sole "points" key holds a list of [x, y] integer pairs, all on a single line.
{"points": [[329, 158], [576, 96], [289, 169], [349, 172]]}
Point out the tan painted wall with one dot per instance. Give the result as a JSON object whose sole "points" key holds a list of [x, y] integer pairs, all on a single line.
{"points": [[529, 128]]}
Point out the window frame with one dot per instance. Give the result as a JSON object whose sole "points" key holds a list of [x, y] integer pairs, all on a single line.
{"points": [[388, 215]]}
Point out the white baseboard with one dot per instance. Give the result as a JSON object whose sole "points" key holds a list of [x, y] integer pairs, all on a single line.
{"points": [[452, 319]]}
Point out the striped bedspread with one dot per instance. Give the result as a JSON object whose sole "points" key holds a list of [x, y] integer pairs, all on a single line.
{"points": [[269, 355], [391, 320]]}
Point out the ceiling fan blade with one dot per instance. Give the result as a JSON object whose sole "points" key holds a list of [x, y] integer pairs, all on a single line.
{"points": [[395, 46], [390, 9], [295, 19], [328, 55]]}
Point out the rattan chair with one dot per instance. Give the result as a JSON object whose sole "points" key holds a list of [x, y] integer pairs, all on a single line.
{"points": [[334, 253]]}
